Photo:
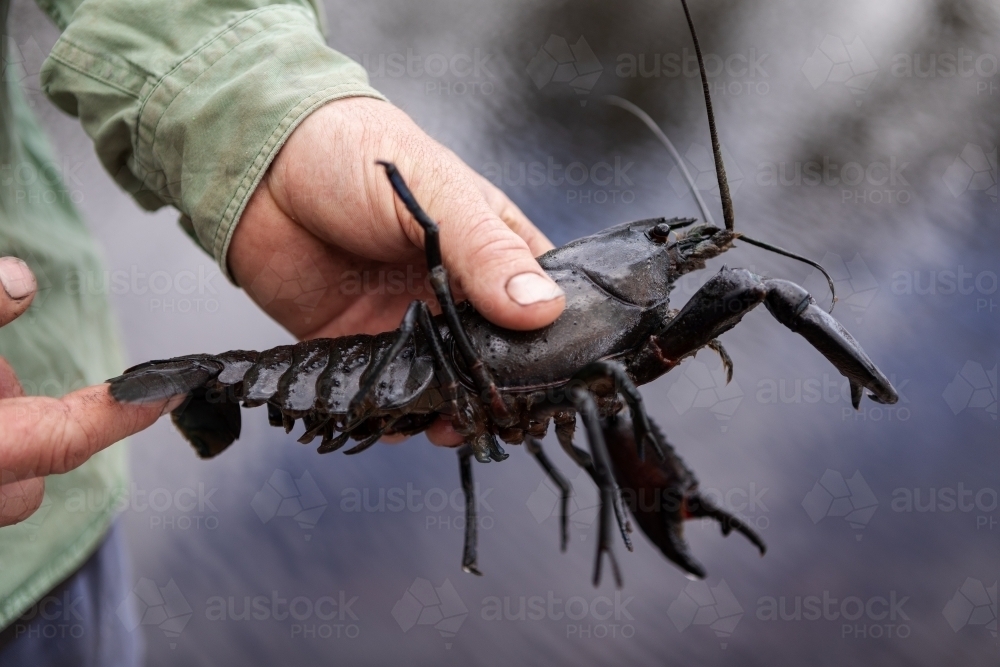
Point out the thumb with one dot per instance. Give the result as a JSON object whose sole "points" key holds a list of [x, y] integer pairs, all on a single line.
{"points": [[19, 288], [492, 265], [496, 270]]}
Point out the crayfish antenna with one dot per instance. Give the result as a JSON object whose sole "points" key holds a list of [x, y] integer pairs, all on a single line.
{"points": [[728, 215]]}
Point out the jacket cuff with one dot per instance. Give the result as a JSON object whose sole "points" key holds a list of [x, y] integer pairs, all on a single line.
{"points": [[206, 130]]}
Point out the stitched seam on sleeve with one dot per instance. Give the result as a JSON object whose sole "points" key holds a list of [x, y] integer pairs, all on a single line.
{"points": [[117, 73]]}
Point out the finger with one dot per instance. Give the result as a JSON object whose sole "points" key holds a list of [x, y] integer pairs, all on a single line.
{"points": [[512, 216], [442, 434], [493, 266], [19, 498], [19, 288], [10, 386], [48, 436]]}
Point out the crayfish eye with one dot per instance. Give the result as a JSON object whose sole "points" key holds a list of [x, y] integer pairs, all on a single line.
{"points": [[660, 233]]}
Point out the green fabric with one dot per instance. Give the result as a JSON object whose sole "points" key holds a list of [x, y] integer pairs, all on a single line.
{"points": [[187, 104]]}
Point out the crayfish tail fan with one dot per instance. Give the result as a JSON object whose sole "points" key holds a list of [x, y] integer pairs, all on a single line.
{"points": [[156, 381], [208, 422]]}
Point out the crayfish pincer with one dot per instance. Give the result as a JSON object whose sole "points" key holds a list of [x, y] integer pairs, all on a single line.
{"points": [[497, 385]]}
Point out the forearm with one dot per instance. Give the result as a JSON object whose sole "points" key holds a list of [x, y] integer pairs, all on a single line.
{"points": [[189, 107]]}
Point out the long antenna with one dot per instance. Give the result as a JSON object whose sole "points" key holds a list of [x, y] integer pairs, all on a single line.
{"points": [[806, 260], [728, 215], [651, 124]]}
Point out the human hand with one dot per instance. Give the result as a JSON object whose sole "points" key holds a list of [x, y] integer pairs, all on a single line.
{"points": [[325, 205], [42, 436]]}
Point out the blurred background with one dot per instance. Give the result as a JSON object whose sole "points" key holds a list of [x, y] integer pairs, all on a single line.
{"points": [[860, 134]]}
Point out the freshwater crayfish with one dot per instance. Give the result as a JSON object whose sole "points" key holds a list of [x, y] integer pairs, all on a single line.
{"points": [[617, 332]]}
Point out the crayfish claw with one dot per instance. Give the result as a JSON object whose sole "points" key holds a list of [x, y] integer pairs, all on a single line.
{"points": [[675, 548], [697, 506], [857, 392]]}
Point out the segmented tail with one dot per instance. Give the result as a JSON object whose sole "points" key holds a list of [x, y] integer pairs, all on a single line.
{"points": [[209, 419]]}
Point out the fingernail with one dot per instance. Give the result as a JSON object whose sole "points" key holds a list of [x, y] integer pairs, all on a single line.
{"points": [[17, 279], [530, 288]]}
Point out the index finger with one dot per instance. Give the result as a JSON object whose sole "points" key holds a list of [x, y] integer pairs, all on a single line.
{"points": [[49, 436], [18, 288]]}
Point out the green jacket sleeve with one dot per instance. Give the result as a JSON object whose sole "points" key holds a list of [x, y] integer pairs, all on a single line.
{"points": [[188, 103]]}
